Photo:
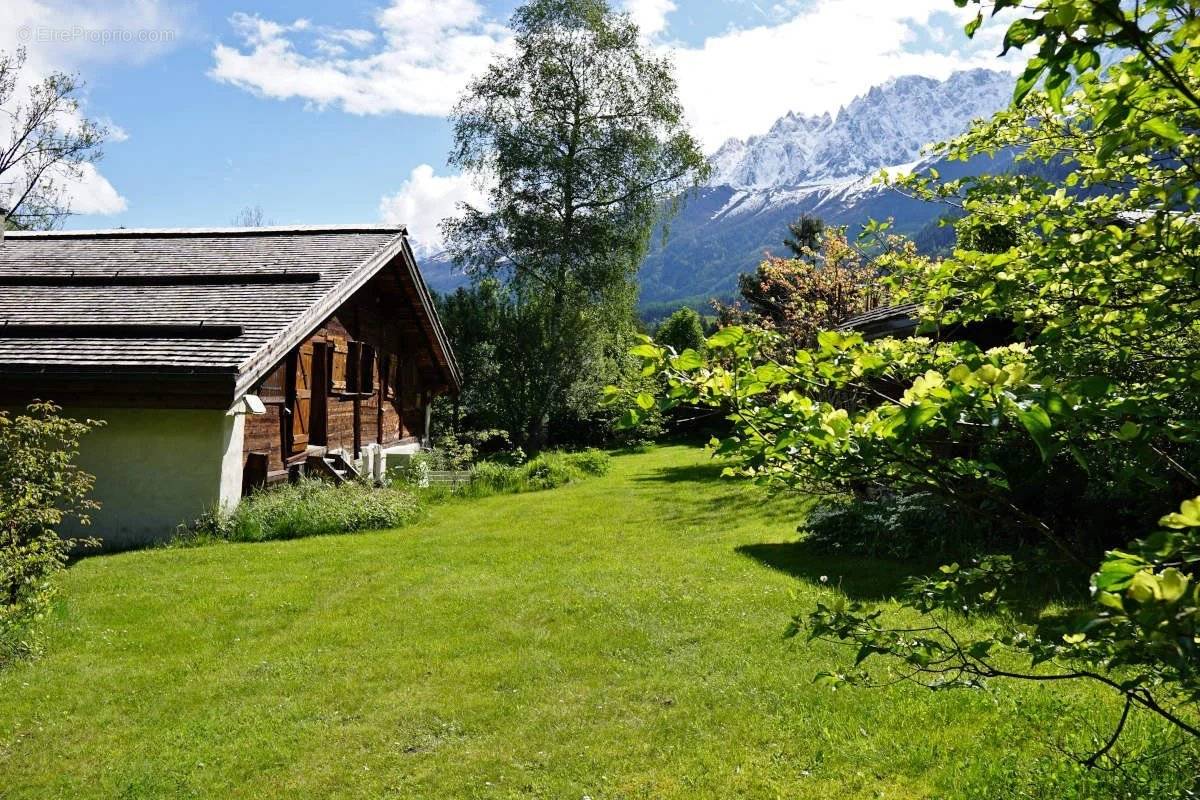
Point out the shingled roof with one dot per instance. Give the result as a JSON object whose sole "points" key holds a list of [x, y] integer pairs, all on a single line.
{"points": [[898, 320], [223, 302]]}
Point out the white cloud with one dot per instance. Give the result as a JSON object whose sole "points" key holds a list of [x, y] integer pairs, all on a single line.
{"points": [[429, 51], [650, 15], [738, 83], [425, 199], [337, 42], [256, 31], [116, 133], [91, 193], [69, 36], [355, 37], [328, 48], [811, 57]]}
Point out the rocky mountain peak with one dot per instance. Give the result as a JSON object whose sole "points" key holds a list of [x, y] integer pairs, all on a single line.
{"points": [[888, 125]]}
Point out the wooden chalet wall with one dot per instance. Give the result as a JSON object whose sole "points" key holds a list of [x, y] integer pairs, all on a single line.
{"points": [[311, 396]]}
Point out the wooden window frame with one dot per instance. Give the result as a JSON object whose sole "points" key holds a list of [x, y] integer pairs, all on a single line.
{"points": [[359, 374]]}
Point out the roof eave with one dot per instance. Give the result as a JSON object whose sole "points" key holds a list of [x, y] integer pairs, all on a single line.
{"points": [[258, 365], [454, 374], [238, 231], [118, 385]]}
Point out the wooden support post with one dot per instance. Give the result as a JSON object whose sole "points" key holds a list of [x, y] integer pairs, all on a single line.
{"points": [[357, 427]]}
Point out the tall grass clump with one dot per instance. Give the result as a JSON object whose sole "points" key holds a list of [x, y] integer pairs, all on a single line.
{"points": [[310, 508], [545, 471]]}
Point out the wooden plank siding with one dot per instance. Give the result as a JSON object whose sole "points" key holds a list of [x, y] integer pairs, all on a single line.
{"points": [[373, 341]]}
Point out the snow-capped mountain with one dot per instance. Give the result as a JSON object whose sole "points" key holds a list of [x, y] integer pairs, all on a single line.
{"points": [[821, 165], [889, 125]]}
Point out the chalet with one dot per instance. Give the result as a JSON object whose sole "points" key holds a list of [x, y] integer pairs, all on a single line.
{"points": [[221, 359], [901, 322]]}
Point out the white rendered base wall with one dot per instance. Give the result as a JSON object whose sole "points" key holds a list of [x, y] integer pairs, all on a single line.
{"points": [[158, 468]]}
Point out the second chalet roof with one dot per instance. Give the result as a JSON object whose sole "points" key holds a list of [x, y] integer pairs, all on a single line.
{"points": [[883, 321], [194, 300]]}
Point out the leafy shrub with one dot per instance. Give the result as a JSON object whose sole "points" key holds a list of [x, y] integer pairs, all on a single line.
{"points": [[310, 508], [462, 449], [683, 330], [492, 478], [40, 488], [458, 452], [897, 526], [590, 462], [546, 471], [829, 280]]}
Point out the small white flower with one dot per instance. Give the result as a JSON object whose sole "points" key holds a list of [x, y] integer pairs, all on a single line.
{"points": [[824, 579]]}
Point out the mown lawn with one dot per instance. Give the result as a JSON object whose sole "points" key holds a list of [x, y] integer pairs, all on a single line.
{"points": [[618, 638]]}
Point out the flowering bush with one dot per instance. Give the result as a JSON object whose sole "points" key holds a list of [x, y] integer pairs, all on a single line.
{"points": [[40, 488]]}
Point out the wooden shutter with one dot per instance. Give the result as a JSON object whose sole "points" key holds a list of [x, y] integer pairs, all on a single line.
{"points": [[337, 349], [411, 384], [302, 403]]}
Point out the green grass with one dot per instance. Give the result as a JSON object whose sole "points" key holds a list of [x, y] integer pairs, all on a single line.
{"points": [[615, 638]]}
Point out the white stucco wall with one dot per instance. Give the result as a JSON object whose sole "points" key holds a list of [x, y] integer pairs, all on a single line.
{"points": [[157, 468]]}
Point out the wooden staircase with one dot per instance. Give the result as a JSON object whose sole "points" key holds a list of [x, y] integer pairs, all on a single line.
{"points": [[332, 467]]}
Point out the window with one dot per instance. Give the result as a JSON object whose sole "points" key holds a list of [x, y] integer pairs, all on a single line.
{"points": [[358, 373], [353, 365], [366, 369]]}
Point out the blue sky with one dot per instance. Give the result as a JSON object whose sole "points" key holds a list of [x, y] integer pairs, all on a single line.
{"points": [[335, 112]]}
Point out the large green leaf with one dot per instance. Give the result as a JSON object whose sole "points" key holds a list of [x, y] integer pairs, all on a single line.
{"points": [[916, 416], [1037, 422], [726, 337], [1163, 128], [1188, 516], [1172, 584], [688, 360]]}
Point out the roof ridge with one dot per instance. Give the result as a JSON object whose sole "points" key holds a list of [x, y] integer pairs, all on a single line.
{"points": [[150, 233]]}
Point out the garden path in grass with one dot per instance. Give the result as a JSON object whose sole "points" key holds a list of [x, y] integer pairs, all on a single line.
{"points": [[616, 638]]}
